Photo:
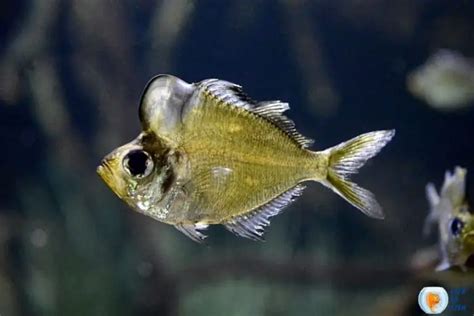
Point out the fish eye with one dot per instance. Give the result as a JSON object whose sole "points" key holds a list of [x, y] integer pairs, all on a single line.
{"points": [[138, 163], [456, 226]]}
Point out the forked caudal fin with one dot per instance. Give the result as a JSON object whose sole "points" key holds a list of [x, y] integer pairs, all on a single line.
{"points": [[345, 159]]}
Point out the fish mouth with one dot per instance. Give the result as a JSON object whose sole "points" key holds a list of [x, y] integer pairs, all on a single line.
{"points": [[101, 169], [104, 171]]}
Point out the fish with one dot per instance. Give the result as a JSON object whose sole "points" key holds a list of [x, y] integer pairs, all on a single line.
{"points": [[445, 81], [208, 154], [450, 211]]}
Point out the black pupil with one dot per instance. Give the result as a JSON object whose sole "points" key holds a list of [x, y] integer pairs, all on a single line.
{"points": [[456, 226], [137, 162]]}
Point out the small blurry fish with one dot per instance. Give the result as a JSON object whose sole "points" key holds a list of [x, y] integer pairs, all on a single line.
{"points": [[445, 81], [455, 222], [208, 154]]}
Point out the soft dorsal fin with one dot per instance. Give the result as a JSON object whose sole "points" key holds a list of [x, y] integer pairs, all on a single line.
{"points": [[252, 225], [233, 95], [273, 111], [193, 231]]}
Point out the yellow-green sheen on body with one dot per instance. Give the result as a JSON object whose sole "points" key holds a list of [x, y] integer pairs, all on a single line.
{"points": [[208, 154], [246, 156]]}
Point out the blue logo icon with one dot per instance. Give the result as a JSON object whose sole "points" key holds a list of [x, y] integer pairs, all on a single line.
{"points": [[433, 299]]}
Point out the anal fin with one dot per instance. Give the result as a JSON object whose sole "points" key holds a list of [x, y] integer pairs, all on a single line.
{"points": [[252, 225], [193, 231]]}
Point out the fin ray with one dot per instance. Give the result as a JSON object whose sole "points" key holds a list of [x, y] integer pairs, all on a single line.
{"points": [[444, 263], [193, 231], [272, 111], [345, 159], [227, 92], [433, 215], [253, 225], [431, 194], [232, 94], [454, 186]]}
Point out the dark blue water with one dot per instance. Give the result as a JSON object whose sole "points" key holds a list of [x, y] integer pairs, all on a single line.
{"points": [[71, 78]]}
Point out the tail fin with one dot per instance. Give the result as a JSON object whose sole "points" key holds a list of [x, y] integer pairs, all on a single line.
{"points": [[345, 159]]}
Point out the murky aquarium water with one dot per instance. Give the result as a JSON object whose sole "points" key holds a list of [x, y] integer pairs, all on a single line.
{"points": [[200, 192]]}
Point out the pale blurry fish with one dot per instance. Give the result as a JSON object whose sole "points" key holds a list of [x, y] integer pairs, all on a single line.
{"points": [[450, 211], [445, 81], [208, 154]]}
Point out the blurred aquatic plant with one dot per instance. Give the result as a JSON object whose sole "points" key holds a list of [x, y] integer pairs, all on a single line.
{"points": [[168, 23], [306, 43]]}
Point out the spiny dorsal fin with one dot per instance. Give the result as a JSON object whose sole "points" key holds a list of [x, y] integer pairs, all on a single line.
{"points": [[232, 94], [227, 92], [193, 231], [252, 225]]}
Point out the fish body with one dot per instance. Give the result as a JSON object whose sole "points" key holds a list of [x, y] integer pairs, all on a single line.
{"points": [[243, 155], [455, 222], [208, 154]]}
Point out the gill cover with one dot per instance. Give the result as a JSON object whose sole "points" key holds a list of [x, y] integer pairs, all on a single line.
{"points": [[162, 104]]}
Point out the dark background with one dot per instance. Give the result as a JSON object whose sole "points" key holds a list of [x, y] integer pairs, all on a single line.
{"points": [[71, 76]]}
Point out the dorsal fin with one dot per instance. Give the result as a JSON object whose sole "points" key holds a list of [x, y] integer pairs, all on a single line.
{"points": [[252, 225], [232, 94], [272, 111], [193, 231], [227, 92]]}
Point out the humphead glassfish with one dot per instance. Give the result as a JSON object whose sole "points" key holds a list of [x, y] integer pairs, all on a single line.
{"points": [[208, 154], [450, 211]]}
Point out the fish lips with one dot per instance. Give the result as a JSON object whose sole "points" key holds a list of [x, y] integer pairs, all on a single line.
{"points": [[108, 174], [105, 172]]}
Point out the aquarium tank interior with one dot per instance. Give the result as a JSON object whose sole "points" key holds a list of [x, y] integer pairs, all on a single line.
{"points": [[72, 74]]}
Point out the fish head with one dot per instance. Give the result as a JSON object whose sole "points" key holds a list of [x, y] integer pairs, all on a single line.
{"points": [[467, 234], [460, 241], [162, 104], [136, 174]]}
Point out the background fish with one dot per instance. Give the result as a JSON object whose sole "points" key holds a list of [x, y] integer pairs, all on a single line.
{"points": [[451, 212], [208, 154], [72, 74], [445, 81]]}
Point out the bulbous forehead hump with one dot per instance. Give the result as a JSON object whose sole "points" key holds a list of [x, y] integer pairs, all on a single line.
{"points": [[163, 99]]}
